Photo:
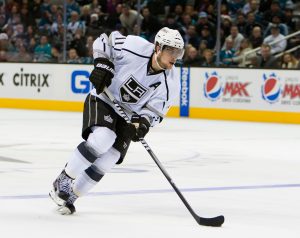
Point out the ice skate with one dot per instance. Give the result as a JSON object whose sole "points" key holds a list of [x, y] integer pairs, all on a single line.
{"points": [[62, 186], [68, 208]]}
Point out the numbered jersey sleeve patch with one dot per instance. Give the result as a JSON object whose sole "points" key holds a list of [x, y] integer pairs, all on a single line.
{"points": [[132, 91]]}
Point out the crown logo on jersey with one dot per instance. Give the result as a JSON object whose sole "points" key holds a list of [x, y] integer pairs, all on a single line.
{"points": [[124, 145], [108, 119], [126, 97]]}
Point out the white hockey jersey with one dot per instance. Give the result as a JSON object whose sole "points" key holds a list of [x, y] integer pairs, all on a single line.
{"points": [[137, 90]]}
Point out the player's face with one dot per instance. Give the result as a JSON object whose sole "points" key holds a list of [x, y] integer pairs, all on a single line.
{"points": [[168, 56]]}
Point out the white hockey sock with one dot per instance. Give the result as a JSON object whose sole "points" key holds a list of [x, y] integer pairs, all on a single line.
{"points": [[94, 173], [84, 183], [76, 164]]}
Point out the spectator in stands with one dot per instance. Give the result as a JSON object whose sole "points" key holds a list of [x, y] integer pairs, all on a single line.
{"points": [[72, 6], [192, 58], [276, 37], [227, 53], [200, 5], [235, 7], [192, 37], [45, 6], [57, 24], [256, 38], [4, 43], [250, 6], [178, 13], [266, 59], [111, 6], [94, 29], [26, 16], [235, 37], [45, 22], [264, 5], [211, 13], [42, 52], [129, 18], [226, 24], [21, 55], [289, 18], [208, 58], [172, 24], [56, 56], [113, 19], [276, 20], [157, 7], [3, 56], [186, 22], [189, 9], [203, 21], [14, 17], [88, 59], [202, 47], [206, 36], [95, 5], [241, 57], [55, 10], [150, 24], [251, 23], [86, 15], [73, 57], [31, 46], [289, 61], [271, 11], [3, 16], [241, 23], [75, 23], [78, 43]]}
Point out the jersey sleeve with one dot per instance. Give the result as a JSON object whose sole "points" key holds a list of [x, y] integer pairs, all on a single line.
{"points": [[108, 47]]}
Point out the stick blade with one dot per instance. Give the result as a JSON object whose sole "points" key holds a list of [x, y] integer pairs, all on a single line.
{"points": [[213, 221]]}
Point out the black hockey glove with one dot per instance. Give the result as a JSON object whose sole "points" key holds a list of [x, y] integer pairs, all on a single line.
{"points": [[102, 74], [142, 126]]}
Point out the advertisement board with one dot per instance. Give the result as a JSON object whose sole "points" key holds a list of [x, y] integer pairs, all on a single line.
{"points": [[213, 93]]}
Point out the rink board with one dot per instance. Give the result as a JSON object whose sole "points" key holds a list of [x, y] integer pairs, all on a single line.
{"points": [[227, 94]]}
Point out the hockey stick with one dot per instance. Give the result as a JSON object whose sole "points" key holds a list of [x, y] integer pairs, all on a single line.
{"points": [[214, 221]]}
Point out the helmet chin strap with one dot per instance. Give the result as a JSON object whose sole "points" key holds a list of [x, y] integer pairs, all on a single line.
{"points": [[156, 61]]}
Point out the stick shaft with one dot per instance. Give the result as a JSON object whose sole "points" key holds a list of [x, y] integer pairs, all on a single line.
{"points": [[153, 156]]}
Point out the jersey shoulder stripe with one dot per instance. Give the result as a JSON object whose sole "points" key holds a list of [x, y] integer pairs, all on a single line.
{"points": [[138, 46], [143, 56]]}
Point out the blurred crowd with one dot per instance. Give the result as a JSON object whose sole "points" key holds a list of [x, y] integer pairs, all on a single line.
{"points": [[33, 31]]}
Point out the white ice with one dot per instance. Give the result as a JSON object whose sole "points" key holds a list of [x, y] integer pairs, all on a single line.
{"points": [[249, 172]]}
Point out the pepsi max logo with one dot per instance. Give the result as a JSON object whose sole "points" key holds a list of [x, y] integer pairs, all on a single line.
{"points": [[271, 88], [213, 88]]}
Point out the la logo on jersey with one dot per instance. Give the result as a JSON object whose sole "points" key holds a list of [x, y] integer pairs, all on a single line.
{"points": [[132, 91]]}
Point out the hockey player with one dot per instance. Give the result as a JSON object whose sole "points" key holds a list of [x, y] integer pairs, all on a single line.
{"points": [[143, 79]]}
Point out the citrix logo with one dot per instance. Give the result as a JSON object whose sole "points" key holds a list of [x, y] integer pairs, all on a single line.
{"points": [[34, 80], [80, 82]]}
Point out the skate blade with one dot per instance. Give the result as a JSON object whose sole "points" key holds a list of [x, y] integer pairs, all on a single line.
{"points": [[56, 199], [63, 210]]}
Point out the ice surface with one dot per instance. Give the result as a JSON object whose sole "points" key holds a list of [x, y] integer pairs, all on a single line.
{"points": [[249, 172]]}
